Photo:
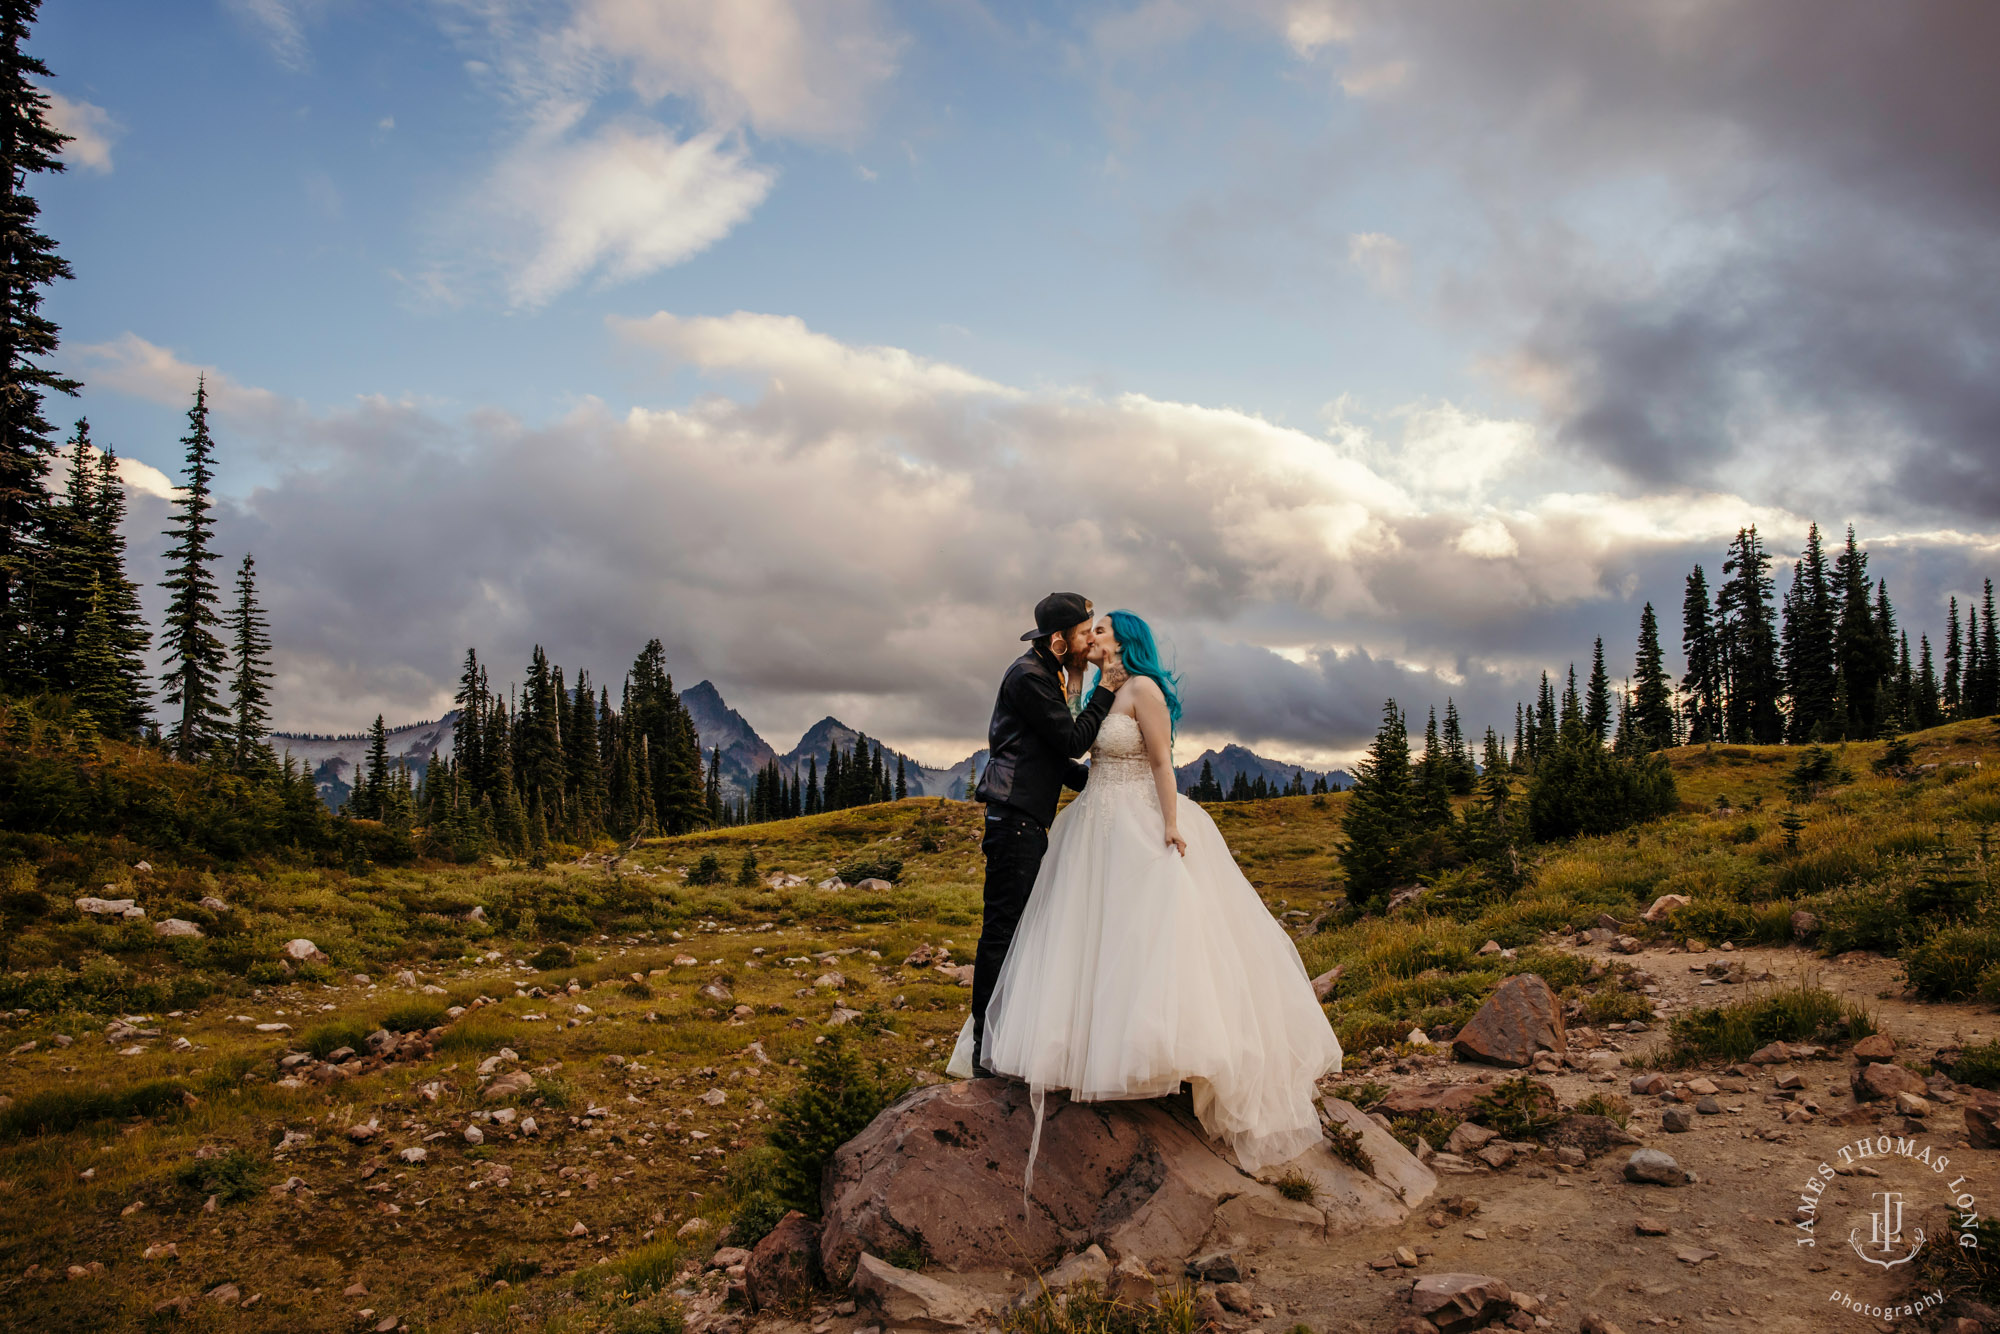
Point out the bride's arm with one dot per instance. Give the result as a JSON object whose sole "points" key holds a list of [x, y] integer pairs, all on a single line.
{"points": [[1156, 729]]}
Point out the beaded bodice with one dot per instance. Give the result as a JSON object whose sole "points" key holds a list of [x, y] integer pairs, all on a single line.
{"points": [[1120, 753]]}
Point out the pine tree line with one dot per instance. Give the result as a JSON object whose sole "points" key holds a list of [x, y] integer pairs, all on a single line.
{"points": [[1208, 788], [553, 761]]}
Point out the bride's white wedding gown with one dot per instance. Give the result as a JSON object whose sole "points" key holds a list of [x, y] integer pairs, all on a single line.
{"points": [[1134, 969]]}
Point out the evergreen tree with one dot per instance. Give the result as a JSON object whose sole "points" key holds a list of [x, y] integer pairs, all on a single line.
{"points": [[97, 687], [1747, 643], [538, 757], [1987, 701], [1375, 854], [1597, 696], [1433, 799], [127, 637], [836, 786], [67, 568], [1520, 738], [194, 655], [371, 791], [1953, 700], [902, 783], [1569, 725], [1927, 711], [1459, 772], [1808, 645], [1546, 729], [1702, 683], [1652, 690], [670, 749], [250, 643], [712, 789], [1968, 699], [466, 742], [585, 760], [1858, 656], [29, 263], [813, 803], [1205, 787]]}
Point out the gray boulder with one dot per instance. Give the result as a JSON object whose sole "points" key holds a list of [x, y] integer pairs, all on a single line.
{"points": [[1520, 1018]]}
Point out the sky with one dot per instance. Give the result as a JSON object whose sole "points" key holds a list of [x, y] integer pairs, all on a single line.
{"points": [[1368, 348]]}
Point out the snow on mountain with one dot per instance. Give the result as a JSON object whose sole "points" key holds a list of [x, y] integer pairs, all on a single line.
{"points": [[334, 760]]}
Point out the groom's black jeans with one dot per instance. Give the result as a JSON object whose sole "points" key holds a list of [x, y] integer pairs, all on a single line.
{"points": [[1014, 845]]}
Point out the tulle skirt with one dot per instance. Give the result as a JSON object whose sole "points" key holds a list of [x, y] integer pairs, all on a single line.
{"points": [[1135, 969]]}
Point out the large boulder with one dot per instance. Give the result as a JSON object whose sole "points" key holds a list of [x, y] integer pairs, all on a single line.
{"points": [[302, 950], [941, 1169], [1982, 1121], [909, 1300], [1664, 905], [1460, 1301], [1885, 1079], [1520, 1018], [784, 1267]]}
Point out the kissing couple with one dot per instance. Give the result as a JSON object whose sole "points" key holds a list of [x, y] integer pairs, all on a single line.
{"points": [[1122, 952]]}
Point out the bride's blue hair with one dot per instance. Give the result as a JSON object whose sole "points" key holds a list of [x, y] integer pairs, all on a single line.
{"points": [[1142, 658]]}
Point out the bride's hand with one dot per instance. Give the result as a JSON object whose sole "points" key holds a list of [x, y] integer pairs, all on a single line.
{"points": [[1176, 842]]}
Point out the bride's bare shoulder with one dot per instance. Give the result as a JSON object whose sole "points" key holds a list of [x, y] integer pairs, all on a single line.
{"points": [[1141, 687]]}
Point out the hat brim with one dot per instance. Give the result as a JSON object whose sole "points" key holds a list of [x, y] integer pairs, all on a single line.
{"points": [[1032, 634]]}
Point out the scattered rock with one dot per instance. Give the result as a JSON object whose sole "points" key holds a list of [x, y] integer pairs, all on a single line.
{"points": [[474, 1135], [1521, 1017], [1469, 1138], [1875, 1048], [1689, 1255], [1982, 1121], [1663, 905], [1445, 1099], [363, 1132], [1459, 1301], [904, 1298], [416, 1153], [1649, 1227], [105, 907], [1652, 1167], [161, 1250], [1805, 926], [1090, 1265], [1323, 984], [1215, 1267], [228, 1294], [175, 926], [513, 1084], [1777, 1053], [1649, 1085], [1885, 1079], [874, 886], [785, 1264], [302, 950], [1596, 1324]]}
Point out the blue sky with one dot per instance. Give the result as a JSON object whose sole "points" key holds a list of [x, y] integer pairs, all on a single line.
{"points": [[1366, 346]]}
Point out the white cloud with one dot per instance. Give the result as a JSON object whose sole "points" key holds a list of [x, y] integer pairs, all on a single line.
{"points": [[797, 68], [283, 25], [622, 202], [864, 525], [1382, 259], [90, 127]]}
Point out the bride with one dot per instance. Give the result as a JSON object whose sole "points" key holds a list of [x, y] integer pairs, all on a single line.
{"points": [[1144, 958]]}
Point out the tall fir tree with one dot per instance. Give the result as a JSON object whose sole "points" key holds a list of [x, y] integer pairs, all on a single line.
{"points": [[1952, 699], [1808, 645], [1986, 702], [810, 804], [66, 568], [1547, 730], [1929, 708], [1375, 854], [250, 691], [1858, 653], [1746, 637], [1433, 789], [194, 655], [125, 621], [1459, 771], [585, 761], [29, 264], [902, 780], [1597, 696], [1968, 700], [467, 742], [372, 791], [1702, 682], [1652, 720], [672, 751]]}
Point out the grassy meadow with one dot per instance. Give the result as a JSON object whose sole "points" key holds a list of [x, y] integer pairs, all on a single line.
{"points": [[150, 1131]]}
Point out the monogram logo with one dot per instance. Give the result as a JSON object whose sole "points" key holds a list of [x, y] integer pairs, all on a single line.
{"points": [[1886, 1233]]}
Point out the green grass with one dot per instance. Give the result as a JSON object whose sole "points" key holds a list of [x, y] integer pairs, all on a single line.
{"points": [[55, 1111], [415, 1017], [1802, 1012], [1518, 1108], [231, 1177], [329, 1036], [1609, 1105]]}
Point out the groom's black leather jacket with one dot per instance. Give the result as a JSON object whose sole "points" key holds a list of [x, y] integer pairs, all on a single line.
{"points": [[1033, 740]]}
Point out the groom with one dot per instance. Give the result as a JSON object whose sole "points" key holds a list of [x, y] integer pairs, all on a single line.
{"points": [[1033, 743]]}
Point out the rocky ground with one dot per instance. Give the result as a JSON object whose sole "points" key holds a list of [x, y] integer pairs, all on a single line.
{"points": [[1711, 1240]]}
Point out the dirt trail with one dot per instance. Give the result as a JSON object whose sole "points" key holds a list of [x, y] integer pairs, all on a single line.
{"points": [[1569, 1236]]}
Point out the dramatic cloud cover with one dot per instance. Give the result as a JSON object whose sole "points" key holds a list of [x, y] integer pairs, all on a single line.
{"points": [[1369, 347]]}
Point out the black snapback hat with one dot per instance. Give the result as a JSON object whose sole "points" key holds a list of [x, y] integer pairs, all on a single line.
{"points": [[1058, 612]]}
